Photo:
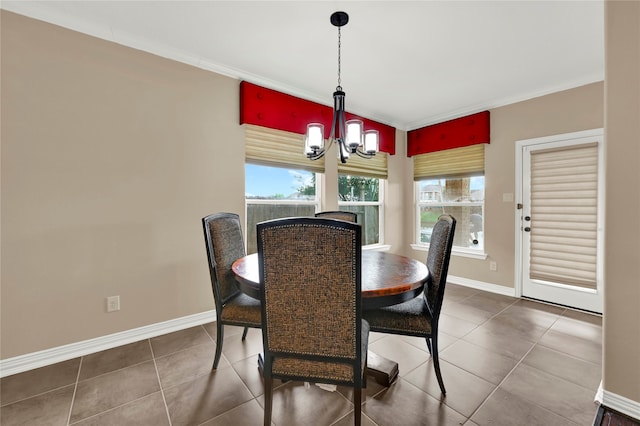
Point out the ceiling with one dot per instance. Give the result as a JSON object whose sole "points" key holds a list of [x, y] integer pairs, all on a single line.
{"points": [[404, 63]]}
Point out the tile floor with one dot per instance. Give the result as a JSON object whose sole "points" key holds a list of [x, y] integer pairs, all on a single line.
{"points": [[505, 361]]}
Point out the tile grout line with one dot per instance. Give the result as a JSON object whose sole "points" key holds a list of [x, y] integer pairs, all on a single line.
{"points": [[75, 389], [513, 369], [155, 366]]}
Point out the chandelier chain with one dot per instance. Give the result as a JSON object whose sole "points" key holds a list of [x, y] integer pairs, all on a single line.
{"points": [[339, 45]]}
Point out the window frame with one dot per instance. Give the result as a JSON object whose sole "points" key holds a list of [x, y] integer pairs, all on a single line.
{"points": [[382, 184], [474, 253]]}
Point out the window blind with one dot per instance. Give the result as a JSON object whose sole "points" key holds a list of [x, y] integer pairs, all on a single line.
{"points": [[278, 148], [375, 167], [465, 161], [564, 183]]}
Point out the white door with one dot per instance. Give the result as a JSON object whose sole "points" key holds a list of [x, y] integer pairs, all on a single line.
{"points": [[559, 221]]}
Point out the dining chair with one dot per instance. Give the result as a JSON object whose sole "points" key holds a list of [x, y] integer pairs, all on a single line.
{"points": [[310, 280], [224, 242], [420, 315], [342, 215]]}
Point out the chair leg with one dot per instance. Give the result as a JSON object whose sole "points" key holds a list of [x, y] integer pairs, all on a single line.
{"points": [[357, 405], [436, 363], [268, 400], [219, 338], [244, 333]]}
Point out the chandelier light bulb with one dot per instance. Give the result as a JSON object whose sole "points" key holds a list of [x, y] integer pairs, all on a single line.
{"points": [[314, 140], [371, 141], [354, 135]]}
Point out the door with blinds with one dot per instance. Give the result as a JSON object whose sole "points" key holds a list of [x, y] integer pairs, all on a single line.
{"points": [[561, 219]]}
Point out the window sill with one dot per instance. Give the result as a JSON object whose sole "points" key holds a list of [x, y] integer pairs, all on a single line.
{"points": [[456, 251], [377, 247]]}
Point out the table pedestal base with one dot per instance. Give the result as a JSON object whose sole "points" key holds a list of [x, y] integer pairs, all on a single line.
{"points": [[382, 370]]}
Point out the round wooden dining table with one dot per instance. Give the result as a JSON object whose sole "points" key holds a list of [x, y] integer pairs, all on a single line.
{"points": [[387, 279]]}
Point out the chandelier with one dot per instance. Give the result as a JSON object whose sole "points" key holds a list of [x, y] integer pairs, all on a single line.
{"points": [[348, 135]]}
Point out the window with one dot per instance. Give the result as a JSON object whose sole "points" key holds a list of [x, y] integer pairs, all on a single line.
{"points": [[275, 192], [461, 197], [451, 182], [279, 180], [363, 196]]}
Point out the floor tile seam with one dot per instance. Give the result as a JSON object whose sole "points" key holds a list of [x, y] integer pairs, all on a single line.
{"points": [[114, 371], [112, 409], [481, 347], [181, 350], [527, 400], [75, 390], [442, 400], [570, 335], [164, 399], [362, 414], [558, 377], [229, 410], [477, 326], [408, 342], [470, 372], [209, 335], [194, 377], [572, 355], [504, 379], [523, 397], [244, 383], [36, 395]]}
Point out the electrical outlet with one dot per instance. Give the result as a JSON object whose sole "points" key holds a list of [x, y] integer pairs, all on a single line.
{"points": [[493, 266], [113, 303]]}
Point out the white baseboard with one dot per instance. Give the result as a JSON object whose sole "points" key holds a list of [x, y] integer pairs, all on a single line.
{"points": [[481, 285], [46, 357], [620, 404]]}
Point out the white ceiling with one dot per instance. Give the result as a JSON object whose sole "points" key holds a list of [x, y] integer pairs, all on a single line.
{"points": [[404, 63]]}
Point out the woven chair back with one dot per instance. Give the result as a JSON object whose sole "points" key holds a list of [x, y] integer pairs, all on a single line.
{"points": [[438, 262], [225, 244], [310, 279]]}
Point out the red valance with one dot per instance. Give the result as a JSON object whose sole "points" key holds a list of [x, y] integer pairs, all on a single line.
{"points": [[276, 110], [464, 131]]}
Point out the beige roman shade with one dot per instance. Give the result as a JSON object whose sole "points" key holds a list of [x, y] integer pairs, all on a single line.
{"points": [[564, 183], [450, 163], [278, 148], [375, 167]]}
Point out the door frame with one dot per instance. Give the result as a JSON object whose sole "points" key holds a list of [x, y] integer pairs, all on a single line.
{"points": [[519, 250]]}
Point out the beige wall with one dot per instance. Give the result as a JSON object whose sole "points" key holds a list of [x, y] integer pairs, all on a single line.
{"points": [[622, 258], [571, 110], [110, 158]]}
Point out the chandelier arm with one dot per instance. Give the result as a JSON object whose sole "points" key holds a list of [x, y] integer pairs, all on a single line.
{"points": [[363, 154], [316, 156]]}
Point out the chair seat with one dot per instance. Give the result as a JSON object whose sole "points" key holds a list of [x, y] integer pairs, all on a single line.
{"points": [[409, 318], [243, 310]]}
